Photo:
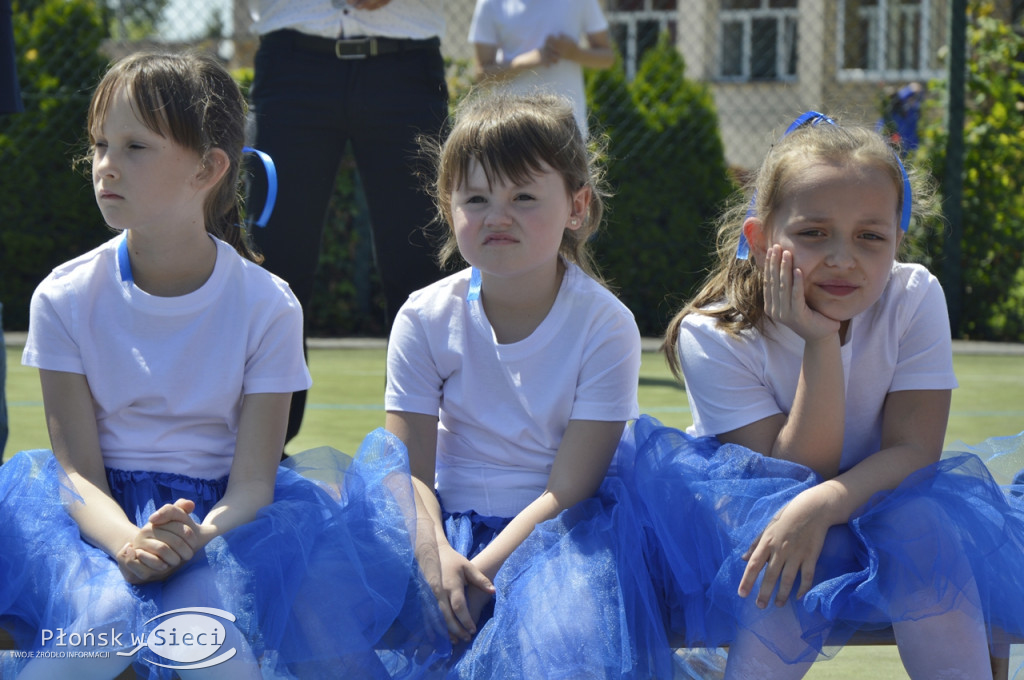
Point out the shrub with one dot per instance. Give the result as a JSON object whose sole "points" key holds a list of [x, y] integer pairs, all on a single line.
{"points": [[991, 265], [658, 238], [347, 294], [50, 214]]}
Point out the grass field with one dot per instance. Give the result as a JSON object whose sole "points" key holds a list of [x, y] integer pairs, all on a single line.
{"points": [[346, 402]]}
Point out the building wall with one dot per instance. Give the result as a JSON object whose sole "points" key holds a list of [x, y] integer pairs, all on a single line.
{"points": [[752, 114]]}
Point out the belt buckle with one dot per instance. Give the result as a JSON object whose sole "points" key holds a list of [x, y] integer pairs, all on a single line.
{"points": [[370, 43]]}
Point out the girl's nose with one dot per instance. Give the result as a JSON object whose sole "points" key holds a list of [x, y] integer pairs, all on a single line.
{"points": [[103, 166], [497, 215], [839, 255]]}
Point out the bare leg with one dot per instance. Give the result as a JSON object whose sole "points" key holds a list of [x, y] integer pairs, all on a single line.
{"points": [[87, 649], [195, 588], [750, 658], [950, 646]]}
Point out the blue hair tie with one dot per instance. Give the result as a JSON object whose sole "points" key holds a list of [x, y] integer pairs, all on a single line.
{"points": [[815, 118], [268, 165], [475, 281]]}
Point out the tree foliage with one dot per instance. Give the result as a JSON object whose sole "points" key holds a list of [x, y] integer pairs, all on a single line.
{"points": [[49, 212], [991, 262], [657, 241]]}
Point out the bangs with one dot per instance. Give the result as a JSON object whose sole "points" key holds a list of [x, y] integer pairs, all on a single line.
{"points": [[146, 106], [158, 90], [510, 151]]}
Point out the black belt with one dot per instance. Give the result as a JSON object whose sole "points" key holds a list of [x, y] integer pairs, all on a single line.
{"points": [[349, 48]]}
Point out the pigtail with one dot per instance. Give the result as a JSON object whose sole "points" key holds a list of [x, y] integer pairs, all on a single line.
{"points": [[733, 292], [228, 228]]}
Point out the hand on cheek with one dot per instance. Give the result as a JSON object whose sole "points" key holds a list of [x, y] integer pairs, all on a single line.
{"points": [[785, 299]]}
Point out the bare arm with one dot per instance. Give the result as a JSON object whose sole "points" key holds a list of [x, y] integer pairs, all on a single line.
{"points": [[489, 69], [461, 585], [448, 573], [368, 4], [71, 421], [913, 428], [419, 433], [580, 465], [597, 53], [261, 434], [143, 554], [812, 433]]}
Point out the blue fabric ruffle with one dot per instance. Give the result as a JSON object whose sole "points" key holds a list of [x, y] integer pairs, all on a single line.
{"points": [[315, 581], [949, 534], [573, 600]]}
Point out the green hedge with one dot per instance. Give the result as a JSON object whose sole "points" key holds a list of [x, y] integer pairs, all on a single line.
{"points": [[347, 294], [991, 264], [656, 246], [49, 212]]}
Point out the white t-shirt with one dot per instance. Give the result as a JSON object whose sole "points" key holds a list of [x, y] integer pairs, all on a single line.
{"points": [[902, 342], [167, 374], [503, 408], [415, 19], [518, 26]]}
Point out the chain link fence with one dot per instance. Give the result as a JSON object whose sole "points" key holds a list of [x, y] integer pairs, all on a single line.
{"points": [[754, 64]]}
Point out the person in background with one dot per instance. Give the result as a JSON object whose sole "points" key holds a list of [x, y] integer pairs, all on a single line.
{"points": [[329, 73], [901, 113], [541, 45]]}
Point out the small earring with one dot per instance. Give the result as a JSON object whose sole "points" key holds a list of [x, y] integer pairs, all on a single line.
{"points": [[573, 221]]}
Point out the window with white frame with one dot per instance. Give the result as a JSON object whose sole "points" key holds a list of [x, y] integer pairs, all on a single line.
{"points": [[757, 40], [635, 25], [885, 39]]}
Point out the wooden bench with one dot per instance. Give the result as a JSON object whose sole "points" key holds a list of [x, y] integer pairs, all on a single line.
{"points": [[1000, 659]]}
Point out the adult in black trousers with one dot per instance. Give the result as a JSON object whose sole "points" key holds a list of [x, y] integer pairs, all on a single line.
{"points": [[373, 76]]}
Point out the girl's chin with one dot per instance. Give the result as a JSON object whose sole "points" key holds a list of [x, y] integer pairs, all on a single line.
{"points": [[832, 317]]}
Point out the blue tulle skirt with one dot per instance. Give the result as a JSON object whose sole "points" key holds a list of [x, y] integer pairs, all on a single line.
{"points": [[950, 536], [315, 582], [573, 600]]}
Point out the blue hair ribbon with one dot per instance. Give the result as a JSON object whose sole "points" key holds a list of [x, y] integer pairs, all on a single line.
{"points": [[268, 165], [475, 279], [908, 196], [124, 263], [815, 118]]}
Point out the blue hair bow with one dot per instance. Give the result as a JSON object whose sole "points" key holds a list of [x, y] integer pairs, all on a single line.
{"points": [[268, 165], [815, 118], [124, 263]]}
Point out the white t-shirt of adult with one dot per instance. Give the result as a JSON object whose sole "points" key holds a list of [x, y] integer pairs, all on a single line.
{"points": [[902, 342], [168, 374], [518, 26], [503, 408], [416, 19]]}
